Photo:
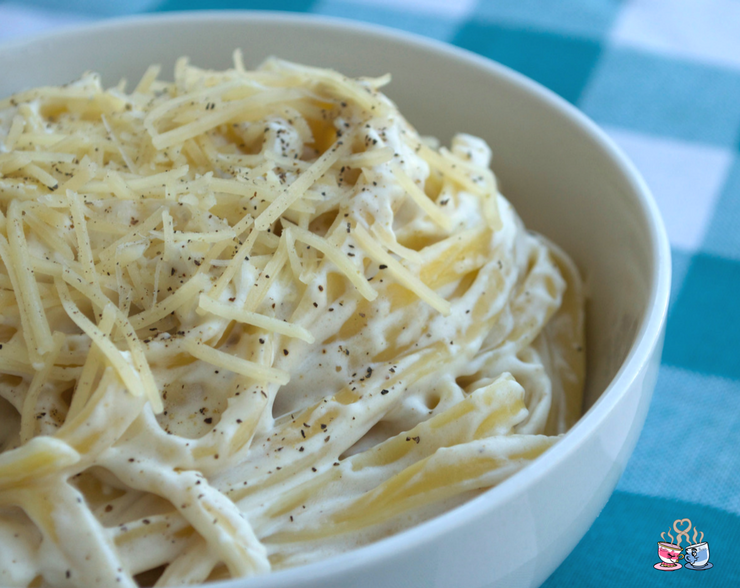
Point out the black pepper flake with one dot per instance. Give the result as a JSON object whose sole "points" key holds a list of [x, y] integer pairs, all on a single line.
{"points": [[303, 433], [313, 470], [208, 420], [382, 266], [285, 352], [327, 438], [384, 391]]}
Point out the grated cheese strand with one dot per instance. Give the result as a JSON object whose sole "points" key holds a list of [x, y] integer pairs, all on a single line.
{"points": [[298, 188], [235, 364], [339, 259], [228, 311], [125, 371], [403, 275]]}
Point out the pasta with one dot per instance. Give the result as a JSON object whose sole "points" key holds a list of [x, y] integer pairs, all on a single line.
{"points": [[251, 319]]}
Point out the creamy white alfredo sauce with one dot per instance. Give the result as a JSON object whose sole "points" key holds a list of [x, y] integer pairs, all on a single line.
{"points": [[251, 319]]}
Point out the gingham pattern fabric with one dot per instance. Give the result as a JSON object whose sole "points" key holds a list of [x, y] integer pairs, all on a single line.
{"points": [[662, 77]]}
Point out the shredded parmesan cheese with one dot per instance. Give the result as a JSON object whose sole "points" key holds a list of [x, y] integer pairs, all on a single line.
{"points": [[251, 319]]}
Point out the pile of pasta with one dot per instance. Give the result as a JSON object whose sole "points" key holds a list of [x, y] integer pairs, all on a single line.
{"points": [[250, 319]]}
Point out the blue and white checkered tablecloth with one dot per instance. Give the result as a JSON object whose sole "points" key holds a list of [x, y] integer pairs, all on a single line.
{"points": [[662, 77]]}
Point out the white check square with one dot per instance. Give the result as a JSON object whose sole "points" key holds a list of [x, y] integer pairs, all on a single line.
{"points": [[702, 30], [685, 178]]}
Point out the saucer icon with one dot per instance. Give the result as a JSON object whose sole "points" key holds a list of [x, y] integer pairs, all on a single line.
{"points": [[664, 567], [706, 566]]}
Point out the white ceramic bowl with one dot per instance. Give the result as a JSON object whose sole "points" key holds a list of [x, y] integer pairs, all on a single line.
{"points": [[567, 180]]}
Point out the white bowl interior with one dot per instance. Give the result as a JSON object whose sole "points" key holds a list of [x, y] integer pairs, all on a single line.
{"points": [[562, 181]]}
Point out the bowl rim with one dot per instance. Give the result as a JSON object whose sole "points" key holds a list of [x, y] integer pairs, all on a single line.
{"points": [[647, 338]]}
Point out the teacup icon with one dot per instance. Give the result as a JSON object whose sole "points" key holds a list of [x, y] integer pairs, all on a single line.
{"points": [[697, 557], [669, 554]]}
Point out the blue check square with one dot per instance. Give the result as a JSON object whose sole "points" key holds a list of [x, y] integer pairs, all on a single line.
{"points": [[703, 332], [291, 5], [621, 546], [708, 398], [429, 25], [723, 234], [562, 63], [663, 96]]}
